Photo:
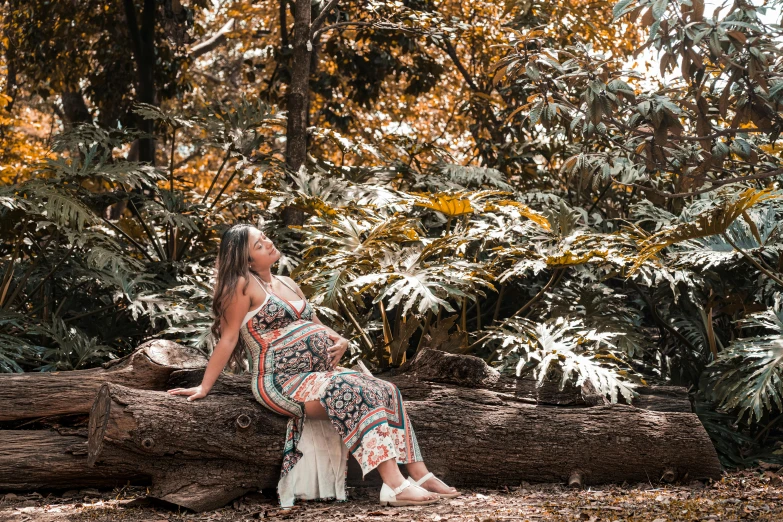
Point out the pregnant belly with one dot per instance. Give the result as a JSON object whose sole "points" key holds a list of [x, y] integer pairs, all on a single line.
{"points": [[299, 348]]}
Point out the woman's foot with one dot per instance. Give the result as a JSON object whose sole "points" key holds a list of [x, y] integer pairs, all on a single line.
{"points": [[416, 493], [406, 494], [435, 485]]}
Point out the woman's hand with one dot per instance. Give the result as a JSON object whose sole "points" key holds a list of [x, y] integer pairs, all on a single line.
{"points": [[337, 350], [192, 393]]}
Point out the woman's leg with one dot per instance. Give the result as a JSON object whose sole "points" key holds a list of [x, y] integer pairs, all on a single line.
{"points": [[314, 410], [388, 469]]}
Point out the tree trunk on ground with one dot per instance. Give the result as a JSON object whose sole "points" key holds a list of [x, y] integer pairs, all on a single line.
{"points": [[42, 459], [504, 438], [34, 395], [473, 372], [202, 454], [224, 447]]}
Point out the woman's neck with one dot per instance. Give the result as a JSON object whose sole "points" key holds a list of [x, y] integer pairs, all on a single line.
{"points": [[264, 275]]}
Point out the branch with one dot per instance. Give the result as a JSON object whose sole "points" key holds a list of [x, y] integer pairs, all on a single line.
{"points": [[283, 27], [375, 25], [755, 263], [715, 184], [555, 276], [461, 68], [321, 17], [212, 42]]}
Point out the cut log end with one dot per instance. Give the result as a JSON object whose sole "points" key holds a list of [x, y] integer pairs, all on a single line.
{"points": [[170, 354], [99, 419]]}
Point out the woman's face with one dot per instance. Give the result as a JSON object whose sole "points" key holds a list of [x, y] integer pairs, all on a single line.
{"points": [[261, 251]]}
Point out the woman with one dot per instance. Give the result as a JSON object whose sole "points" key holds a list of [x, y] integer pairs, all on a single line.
{"points": [[293, 358]]}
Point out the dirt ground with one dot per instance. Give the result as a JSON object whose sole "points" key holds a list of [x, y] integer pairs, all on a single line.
{"points": [[746, 495]]}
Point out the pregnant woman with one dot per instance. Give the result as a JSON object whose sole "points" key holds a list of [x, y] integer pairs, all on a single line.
{"points": [[293, 358]]}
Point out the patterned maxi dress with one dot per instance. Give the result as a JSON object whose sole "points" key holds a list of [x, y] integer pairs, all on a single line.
{"points": [[288, 359]]}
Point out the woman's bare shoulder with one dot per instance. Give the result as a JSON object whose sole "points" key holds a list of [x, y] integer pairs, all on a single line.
{"points": [[293, 284], [288, 280], [242, 288]]}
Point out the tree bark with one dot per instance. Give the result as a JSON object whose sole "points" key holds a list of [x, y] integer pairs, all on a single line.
{"points": [[74, 108], [504, 439], [34, 395], [203, 454], [42, 459], [220, 449], [143, 42], [298, 99]]}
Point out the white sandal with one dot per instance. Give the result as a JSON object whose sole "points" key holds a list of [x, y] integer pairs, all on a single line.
{"points": [[389, 495], [428, 476]]}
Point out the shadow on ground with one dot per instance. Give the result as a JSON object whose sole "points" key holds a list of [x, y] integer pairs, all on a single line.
{"points": [[755, 495]]}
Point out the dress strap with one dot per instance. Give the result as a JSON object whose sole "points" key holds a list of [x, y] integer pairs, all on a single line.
{"points": [[267, 289]]}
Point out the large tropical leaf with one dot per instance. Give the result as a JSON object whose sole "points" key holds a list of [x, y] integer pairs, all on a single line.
{"points": [[715, 221], [567, 346]]}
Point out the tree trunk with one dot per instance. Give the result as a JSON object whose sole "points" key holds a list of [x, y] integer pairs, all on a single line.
{"points": [[74, 108], [473, 372], [42, 459], [34, 395], [143, 42], [504, 438], [298, 101], [203, 454]]}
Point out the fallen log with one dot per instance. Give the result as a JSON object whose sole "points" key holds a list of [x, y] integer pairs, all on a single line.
{"points": [[620, 426], [473, 372], [502, 440], [47, 394], [45, 459], [157, 424], [199, 455]]}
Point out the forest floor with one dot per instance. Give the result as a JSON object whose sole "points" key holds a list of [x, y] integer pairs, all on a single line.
{"points": [[744, 495]]}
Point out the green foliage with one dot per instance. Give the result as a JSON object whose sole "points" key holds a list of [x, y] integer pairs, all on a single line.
{"points": [[576, 353], [614, 231], [748, 375]]}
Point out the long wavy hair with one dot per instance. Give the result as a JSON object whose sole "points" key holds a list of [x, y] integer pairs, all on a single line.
{"points": [[233, 262]]}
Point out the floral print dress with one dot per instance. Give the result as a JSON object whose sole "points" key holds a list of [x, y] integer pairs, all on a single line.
{"points": [[289, 362]]}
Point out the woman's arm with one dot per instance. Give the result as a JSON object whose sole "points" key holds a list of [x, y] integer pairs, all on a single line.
{"points": [[229, 334]]}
